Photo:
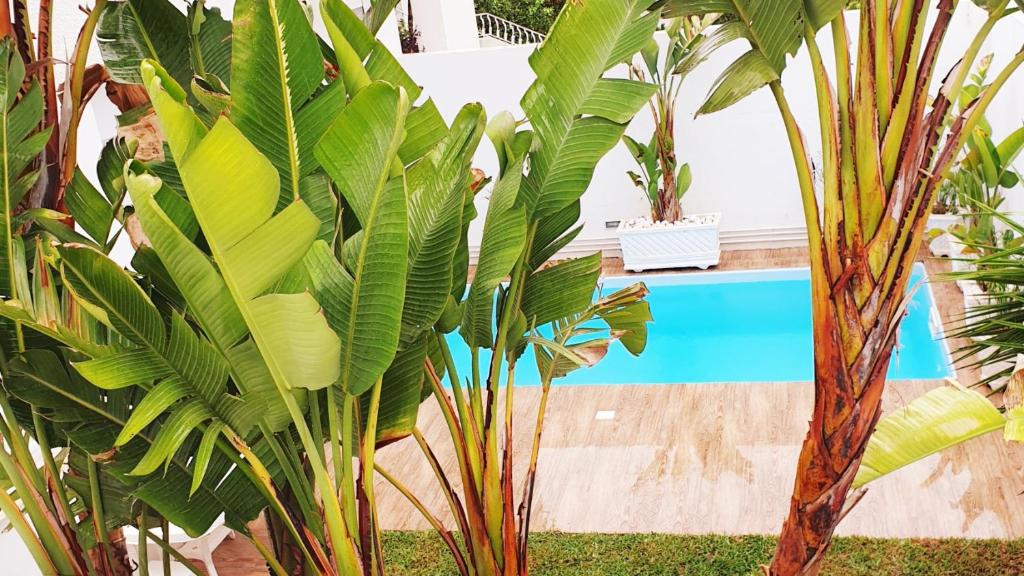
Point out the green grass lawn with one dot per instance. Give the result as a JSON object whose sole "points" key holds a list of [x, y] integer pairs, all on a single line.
{"points": [[554, 554]]}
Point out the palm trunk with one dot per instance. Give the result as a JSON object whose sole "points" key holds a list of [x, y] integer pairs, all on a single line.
{"points": [[846, 409], [862, 262]]}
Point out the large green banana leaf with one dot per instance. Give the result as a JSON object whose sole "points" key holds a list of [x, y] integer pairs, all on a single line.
{"points": [[401, 394], [234, 190], [91, 209], [774, 29], [378, 14], [276, 67], [214, 43], [202, 287], [576, 113], [92, 418], [941, 419], [438, 187], [130, 31], [364, 302], [188, 378], [505, 229], [561, 290], [362, 59]]}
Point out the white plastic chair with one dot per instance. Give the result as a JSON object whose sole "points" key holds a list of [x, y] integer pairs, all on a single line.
{"points": [[200, 548], [156, 568]]}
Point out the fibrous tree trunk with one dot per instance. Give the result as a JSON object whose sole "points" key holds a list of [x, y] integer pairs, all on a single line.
{"points": [[883, 165]]}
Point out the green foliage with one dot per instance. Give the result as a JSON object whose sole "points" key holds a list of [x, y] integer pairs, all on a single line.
{"points": [[774, 30], [942, 418], [536, 15], [993, 328], [662, 180], [977, 185]]}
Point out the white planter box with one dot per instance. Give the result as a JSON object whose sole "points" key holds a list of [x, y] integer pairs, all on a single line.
{"points": [[974, 296], [992, 368], [944, 244], [680, 245], [963, 263]]}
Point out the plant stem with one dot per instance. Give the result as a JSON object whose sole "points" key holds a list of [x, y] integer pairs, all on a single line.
{"points": [[260, 477], [35, 546], [287, 457], [436, 524], [143, 545], [316, 418], [492, 495], [368, 451], [348, 486], [475, 393], [165, 558], [469, 426], [99, 520], [43, 439], [17, 468], [334, 430], [170, 552], [458, 513], [268, 557], [804, 176]]}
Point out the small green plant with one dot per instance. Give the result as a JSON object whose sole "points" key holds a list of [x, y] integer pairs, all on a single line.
{"points": [[978, 188], [662, 180], [978, 232], [975, 187]]}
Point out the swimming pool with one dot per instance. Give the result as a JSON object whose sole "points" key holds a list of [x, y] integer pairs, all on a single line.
{"points": [[737, 327]]}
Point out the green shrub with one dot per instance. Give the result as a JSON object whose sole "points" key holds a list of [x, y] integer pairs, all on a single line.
{"points": [[537, 15]]}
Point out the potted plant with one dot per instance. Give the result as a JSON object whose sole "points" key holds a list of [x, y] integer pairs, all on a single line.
{"points": [[945, 212], [991, 295], [667, 239], [978, 185]]}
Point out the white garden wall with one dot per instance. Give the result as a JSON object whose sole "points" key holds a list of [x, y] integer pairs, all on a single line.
{"points": [[740, 158]]}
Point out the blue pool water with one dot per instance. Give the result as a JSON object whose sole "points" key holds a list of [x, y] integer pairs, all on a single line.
{"points": [[735, 327]]}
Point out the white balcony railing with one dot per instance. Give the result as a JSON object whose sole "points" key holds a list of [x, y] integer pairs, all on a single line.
{"points": [[508, 32]]}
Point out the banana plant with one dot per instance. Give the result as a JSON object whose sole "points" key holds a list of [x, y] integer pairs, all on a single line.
{"points": [[167, 384], [576, 115], [662, 180], [886, 144]]}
